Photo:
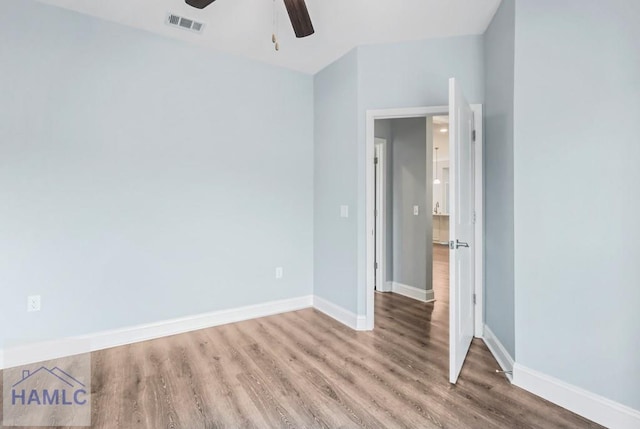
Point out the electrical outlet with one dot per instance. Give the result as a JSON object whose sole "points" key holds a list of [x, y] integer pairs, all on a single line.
{"points": [[33, 303], [279, 272]]}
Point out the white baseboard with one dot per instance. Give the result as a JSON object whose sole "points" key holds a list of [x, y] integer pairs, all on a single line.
{"points": [[387, 287], [342, 315], [587, 404], [38, 352], [48, 350], [431, 296], [498, 351], [412, 292]]}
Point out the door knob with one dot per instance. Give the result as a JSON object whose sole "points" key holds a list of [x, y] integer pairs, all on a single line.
{"points": [[457, 244]]}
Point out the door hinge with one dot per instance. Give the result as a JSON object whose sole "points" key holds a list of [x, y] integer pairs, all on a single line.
{"points": [[473, 135], [375, 160], [474, 217], [474, 299], [376, 265]]}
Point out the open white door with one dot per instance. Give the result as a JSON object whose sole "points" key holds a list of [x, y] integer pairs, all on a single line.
{"points": [[461, 229]]}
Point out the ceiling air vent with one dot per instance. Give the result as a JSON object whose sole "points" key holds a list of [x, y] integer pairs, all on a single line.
{"points": [[184, 23]]}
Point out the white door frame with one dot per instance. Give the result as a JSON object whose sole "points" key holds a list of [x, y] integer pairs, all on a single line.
{"points": [[423, 112], [381, 218]]}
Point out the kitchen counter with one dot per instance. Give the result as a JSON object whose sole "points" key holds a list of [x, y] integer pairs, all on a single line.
{"points": [[441, 227]]}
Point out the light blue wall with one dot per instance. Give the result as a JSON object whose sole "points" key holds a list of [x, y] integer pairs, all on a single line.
{"points": [[577, 205], [412, 235], [371, 77], [498, 167], [335, 152], [416, 74], [143, 179]]}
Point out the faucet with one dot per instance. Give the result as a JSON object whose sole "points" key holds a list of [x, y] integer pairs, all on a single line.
{"points": [[435, 211]]}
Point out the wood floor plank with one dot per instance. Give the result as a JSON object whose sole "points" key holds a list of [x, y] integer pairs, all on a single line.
{"points": [[333, 379], [389, 360]]}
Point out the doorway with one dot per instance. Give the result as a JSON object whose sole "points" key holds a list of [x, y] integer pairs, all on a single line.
{"points": [[472, 120], [440, 215], [440, 159], [403, 214]]}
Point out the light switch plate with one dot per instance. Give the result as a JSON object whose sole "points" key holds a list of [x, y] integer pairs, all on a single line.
{"points": [[344, 211], [279, 272], [416, 210]]}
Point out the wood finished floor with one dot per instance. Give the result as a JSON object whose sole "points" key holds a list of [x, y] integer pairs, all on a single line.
{"points": [[303, 369]]}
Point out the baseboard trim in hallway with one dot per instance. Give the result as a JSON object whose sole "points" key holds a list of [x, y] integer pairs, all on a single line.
{"points": [[412, 292]]}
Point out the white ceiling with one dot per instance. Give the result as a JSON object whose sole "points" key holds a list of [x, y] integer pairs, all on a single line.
{"points": [[244, 27]]}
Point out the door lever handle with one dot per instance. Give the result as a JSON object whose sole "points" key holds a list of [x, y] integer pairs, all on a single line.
{"points": [[457, 244]]}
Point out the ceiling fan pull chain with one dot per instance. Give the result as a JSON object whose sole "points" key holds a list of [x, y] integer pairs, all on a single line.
{"points": [[273, 22], [274, 35]]}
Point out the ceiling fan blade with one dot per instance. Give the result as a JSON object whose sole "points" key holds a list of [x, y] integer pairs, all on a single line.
{"points": [[199, 4], [299, 16]]}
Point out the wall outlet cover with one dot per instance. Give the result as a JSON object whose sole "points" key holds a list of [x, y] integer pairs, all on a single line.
{"points": [[33, 303]]}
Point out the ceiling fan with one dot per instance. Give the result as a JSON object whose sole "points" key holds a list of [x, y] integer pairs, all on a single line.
{"points": [[297, 9]]}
